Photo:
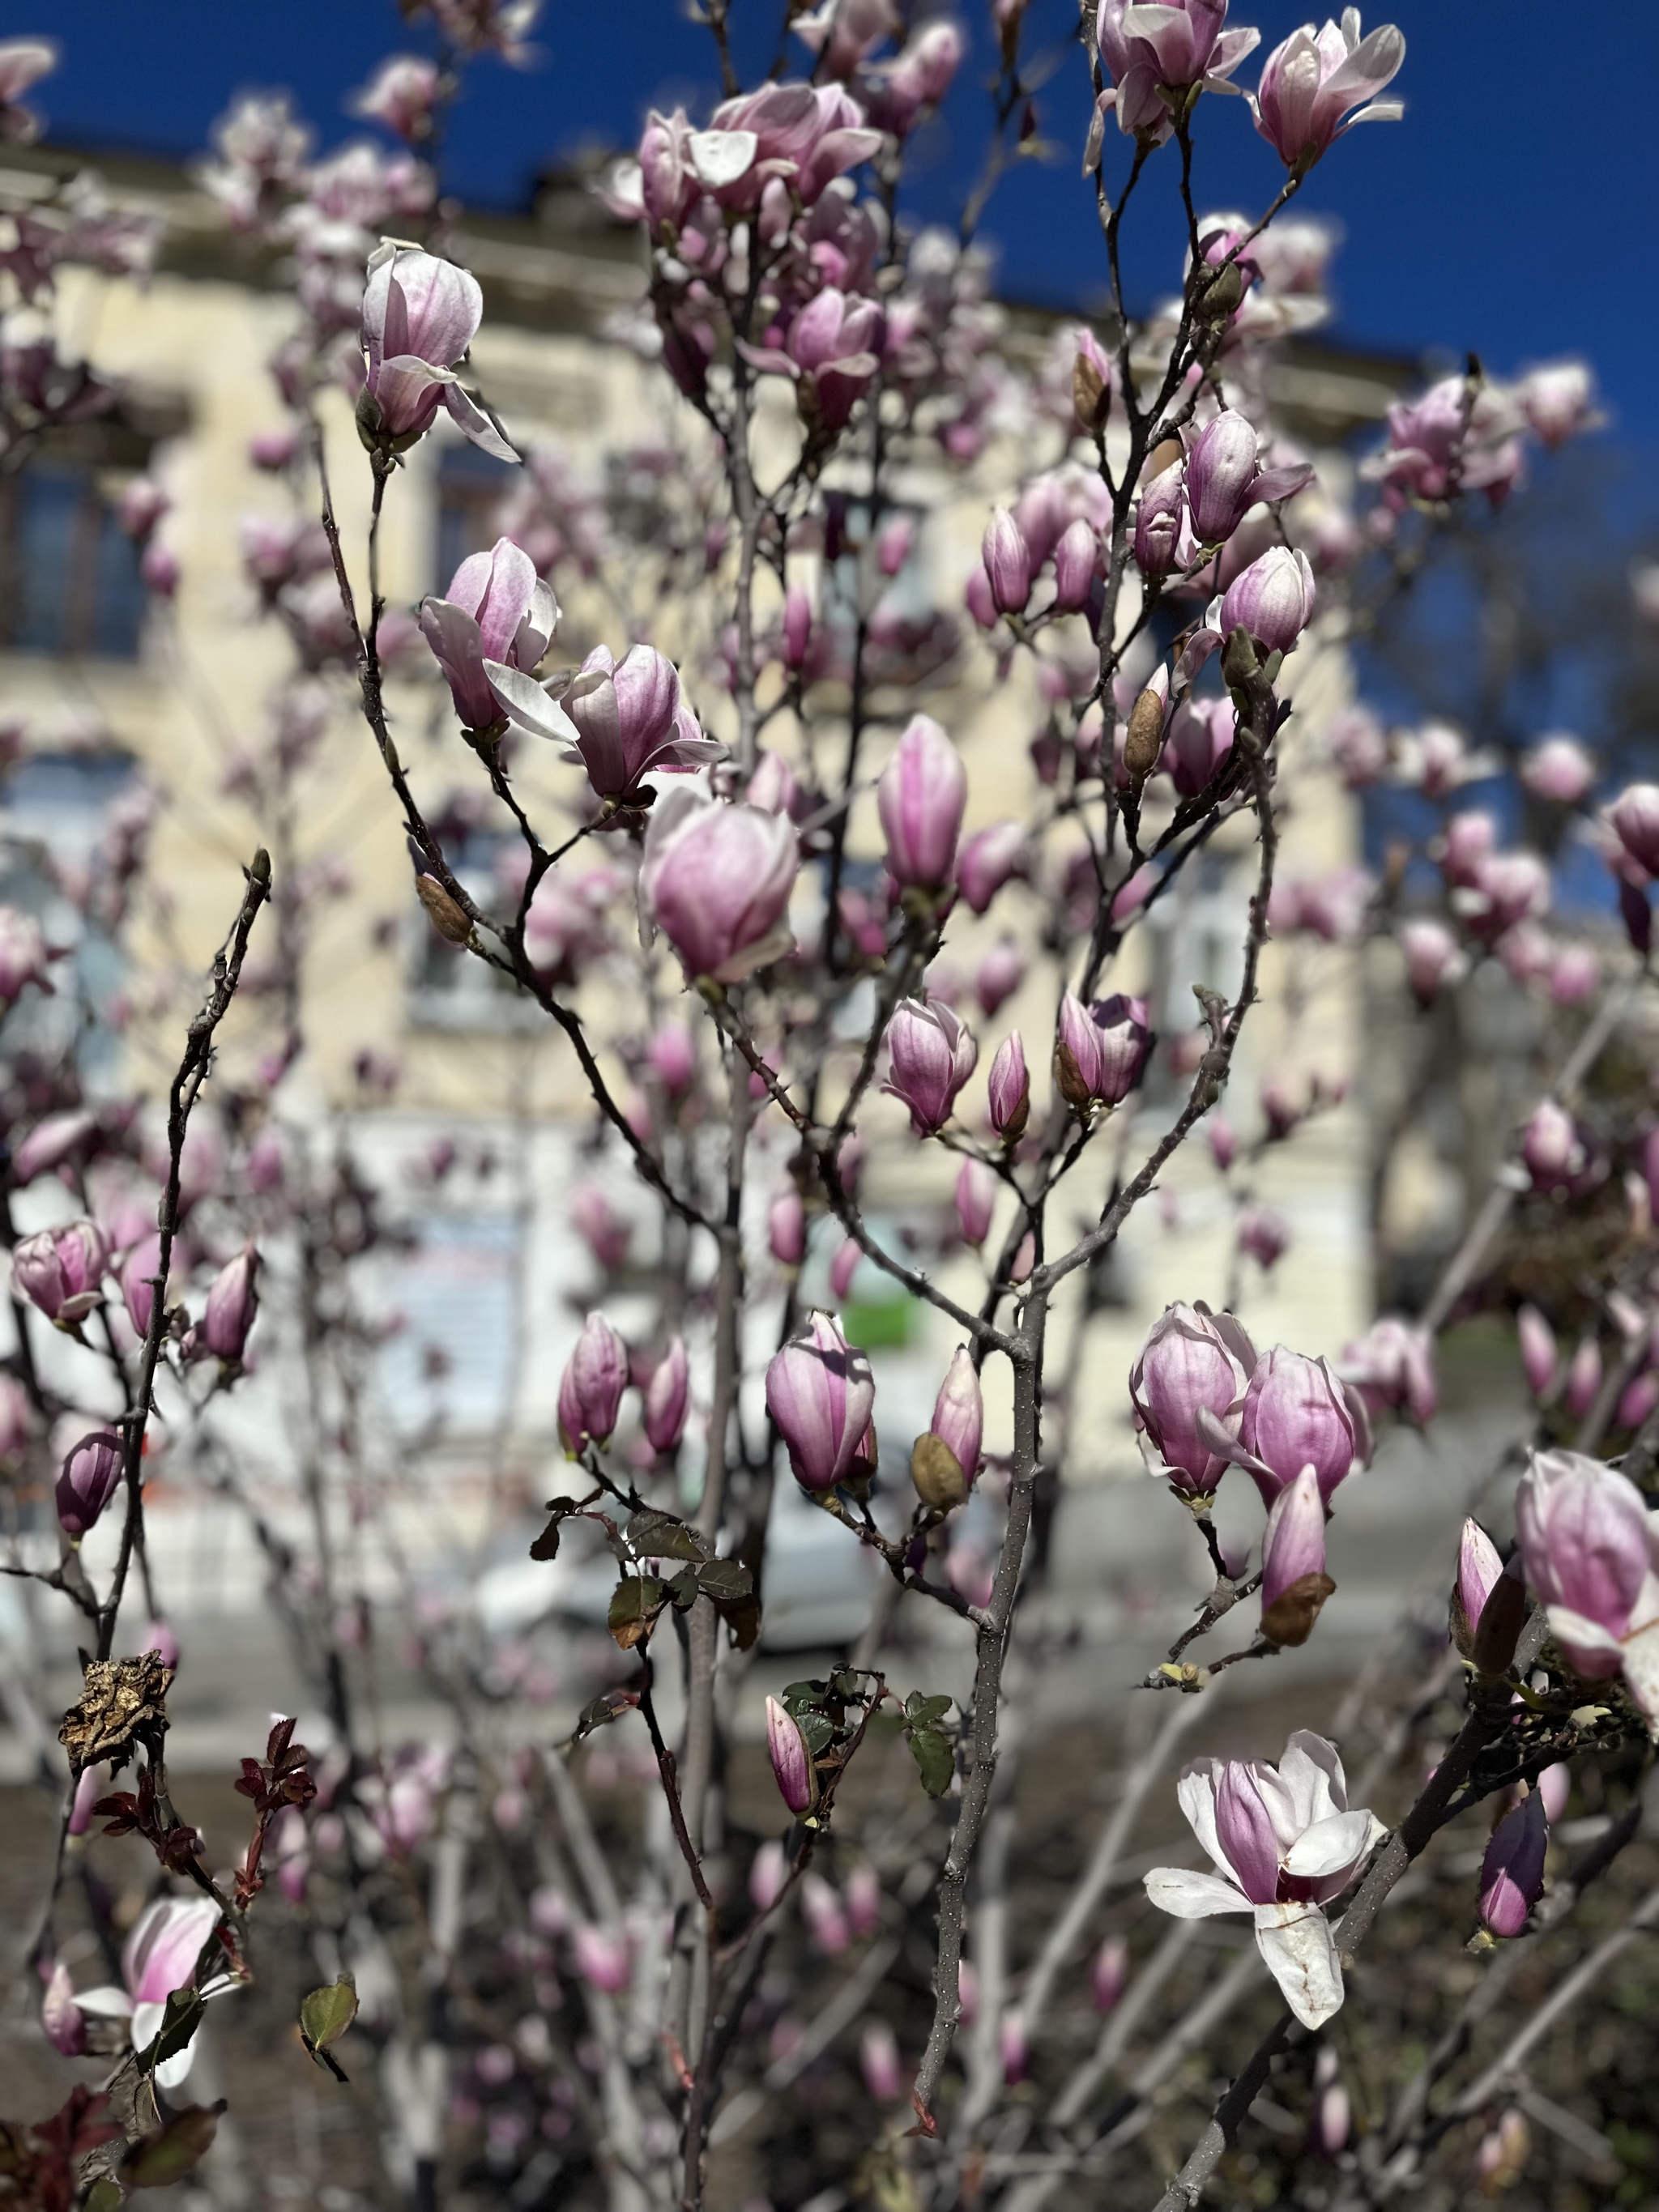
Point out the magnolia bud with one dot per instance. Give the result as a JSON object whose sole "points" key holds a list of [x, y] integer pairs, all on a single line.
{"points": [[1146, 735], [442, 912]]}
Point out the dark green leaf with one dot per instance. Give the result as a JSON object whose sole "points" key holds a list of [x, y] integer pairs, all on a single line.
{"points": [[635, 1604], [179, 2022], [798, 1696], [610, 1706], [931, 1749], [923, 1710], [845, 1682], [662, 1536], [167, 2155], [743, 1617], [546, 1545], [104, 2196], [819, 1732], [725, 1580], [684, 1589]]}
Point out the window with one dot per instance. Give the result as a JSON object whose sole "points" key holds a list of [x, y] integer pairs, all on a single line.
{"points": [[469, 489], [453, 1359], [54, 810], [69, 582]]}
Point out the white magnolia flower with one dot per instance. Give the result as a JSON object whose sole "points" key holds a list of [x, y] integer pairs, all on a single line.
{"points": [[1284, 1844]]}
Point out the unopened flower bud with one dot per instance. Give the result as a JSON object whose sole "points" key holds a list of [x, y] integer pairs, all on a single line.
{"points": [[1512, 1872], [975, 1197], [1145, 739], [1010, 1090], [1294, 1583], [90, 1477], [668, 1398], [1007, 559], [1110, 1975], [591, 1388], [1075, 557], [442, 912], [786, 1228], [792, 1764], [231, 1304]]}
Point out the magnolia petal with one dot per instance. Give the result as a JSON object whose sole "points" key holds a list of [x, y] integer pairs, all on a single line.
{"points": [[474, 424], [520, 697], [778, 942], [106, 2001], [1189, 1895], [720, 157], [1641, 1653], [1300, 1952], [1330, 1845]]}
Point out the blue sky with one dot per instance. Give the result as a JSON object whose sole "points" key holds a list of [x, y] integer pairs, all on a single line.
{"points": [[1503, 213]]}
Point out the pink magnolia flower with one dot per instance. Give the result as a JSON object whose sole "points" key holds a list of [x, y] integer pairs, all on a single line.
{"points": [[1310, 83], [920, 799], [1558, 769], [420, 314], [1557, 399], [603, 1959], [930, 1056], [880, 2063], [1392, 1365], [831, 348], [802, 135], [975, 1201], [401, 94], [1148, 50], [1294, 1583], [716, 879], [1512, 1872], [23, 62], [998, 976], [1264, 1235], [58, 1138], [1077, 562], [791, 1763], [1225, 479], [1100, 1049], [1635, 819], [1488, 1603], [668, 1398], [1451, 439], [91, 1476], [1284, 1843], [591, 1389], [958, 1419], [990, 859], [621, 720], [1273, 600], [1159, 516], [1296, 1413], [1432, 958], [497, 611], [231, 1304], [1202, 732], [1192, 1360], [1009, 1089], [820, 1392], [1008, 560], [786, 1227], [1539, 1354], [1591, 1549], [60, 1269], [159, 1956]]}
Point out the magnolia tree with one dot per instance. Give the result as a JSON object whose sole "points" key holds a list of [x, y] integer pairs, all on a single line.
{"points": [[558, 1954]]}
